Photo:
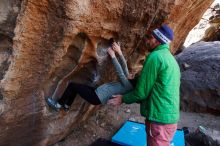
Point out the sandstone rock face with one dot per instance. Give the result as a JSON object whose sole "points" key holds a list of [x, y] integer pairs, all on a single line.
{"points": [[213, 32], [8, 13], [198, 32], [42, 41], [184, 16], [200, 81]]}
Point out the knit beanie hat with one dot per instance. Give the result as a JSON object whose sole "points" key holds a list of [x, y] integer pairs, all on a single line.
{"points": [[164, 34]]}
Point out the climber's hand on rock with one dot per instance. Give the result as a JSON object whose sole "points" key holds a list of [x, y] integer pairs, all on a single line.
{"points": [[116, 47]]}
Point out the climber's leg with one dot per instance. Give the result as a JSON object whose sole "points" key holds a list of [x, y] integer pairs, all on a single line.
{"points": [[86, 92]]}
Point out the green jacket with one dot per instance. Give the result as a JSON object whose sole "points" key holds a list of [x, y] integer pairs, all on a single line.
{"points": [[157, 88]]}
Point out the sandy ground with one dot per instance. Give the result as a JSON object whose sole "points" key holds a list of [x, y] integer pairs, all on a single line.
{"points": [[106, 121]]}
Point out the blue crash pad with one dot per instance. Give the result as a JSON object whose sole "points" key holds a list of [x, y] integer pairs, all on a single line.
{"points": [[133, 134]]}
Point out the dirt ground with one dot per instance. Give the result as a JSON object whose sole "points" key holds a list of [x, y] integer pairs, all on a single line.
{"points": [[106, 121]]}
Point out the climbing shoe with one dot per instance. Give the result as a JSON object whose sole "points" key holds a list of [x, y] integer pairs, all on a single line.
{"points": [[53, 104]]}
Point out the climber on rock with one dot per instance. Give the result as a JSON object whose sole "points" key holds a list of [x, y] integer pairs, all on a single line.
{"points": [[93, 95], [157, 89]]}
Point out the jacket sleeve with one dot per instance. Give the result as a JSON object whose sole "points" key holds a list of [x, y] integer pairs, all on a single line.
{"points": [[123, 64], [119, 71], [146, 80]]}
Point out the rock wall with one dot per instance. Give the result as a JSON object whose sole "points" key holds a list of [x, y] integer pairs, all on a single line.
{"points": [[8, 13], [207, 28], [42, 41], [213, 32], [200, 78], [184, 16], [198, 32]]}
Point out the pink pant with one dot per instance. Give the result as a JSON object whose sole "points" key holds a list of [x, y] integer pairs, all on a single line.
{"points": [[159, 134]]}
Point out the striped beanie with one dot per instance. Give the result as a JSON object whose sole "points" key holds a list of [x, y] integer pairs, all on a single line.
{"points": [[164, 34]]}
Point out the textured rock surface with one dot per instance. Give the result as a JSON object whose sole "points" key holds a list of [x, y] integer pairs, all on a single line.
{"points": [[198, 32], [200, 81], [184, 17], [41, 41], [8, 13], [213, 32], [208, 27]]}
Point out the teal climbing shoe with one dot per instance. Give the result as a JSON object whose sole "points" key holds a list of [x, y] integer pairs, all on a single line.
{"points": [[53, 104]]}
